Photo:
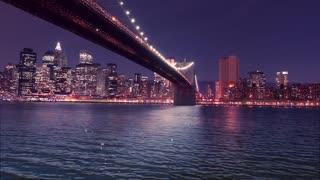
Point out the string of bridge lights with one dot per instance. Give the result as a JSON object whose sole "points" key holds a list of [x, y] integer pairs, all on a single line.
{"points": [[143, 36], [139, 30], [132, 20]]}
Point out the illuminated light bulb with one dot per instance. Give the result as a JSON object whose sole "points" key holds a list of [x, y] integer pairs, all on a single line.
{"points": [[113, 19], [133, 20], [121, 3], [127, 12], [137, 27], [141, 33], [97, 29], [146, 39]]}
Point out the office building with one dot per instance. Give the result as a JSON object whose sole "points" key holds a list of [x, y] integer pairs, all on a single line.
{"points": [[112, 80], [9, 80], [228, 75], [282, 82], [27, 70], [60, 59], [85, 57], [282, 79], [42, 78], [256, 83]]}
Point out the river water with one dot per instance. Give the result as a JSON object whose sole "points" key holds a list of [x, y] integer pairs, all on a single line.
{"points": [[105, 141]]}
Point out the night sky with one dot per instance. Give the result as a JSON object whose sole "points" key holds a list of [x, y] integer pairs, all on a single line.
{"points": [[269, 35]]}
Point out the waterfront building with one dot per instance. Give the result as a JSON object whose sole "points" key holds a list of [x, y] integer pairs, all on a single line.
{"points": [[144, 88], [9, 81], [48, 59], [86, 79], [295, 92], [282, 81], [136, 85], [123, 86], [209, 92], [112, 80], [63, 81], [101, 82], [217, 90], [130, 85], [60, 59], [256, 82], [85, 75], [315, 91], [27, 70], [228, 75], [42, 78], [85, 57]]}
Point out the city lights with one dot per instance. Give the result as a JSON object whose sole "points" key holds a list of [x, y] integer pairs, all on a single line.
{"points": [[54, 77]]}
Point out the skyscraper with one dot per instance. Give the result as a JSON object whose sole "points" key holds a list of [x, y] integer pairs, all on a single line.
{"points": [[123, 86], [85, 57], [9, 84], [256, 82], [282, 78], [27, 70], [63, 82], [101, 82], [42, 78], [144, 87], [136, 85], [282, 91], [60, 58], [209, 91], [86, 79], [86, 75], [48, 60], [228, 75], [112, 80]]}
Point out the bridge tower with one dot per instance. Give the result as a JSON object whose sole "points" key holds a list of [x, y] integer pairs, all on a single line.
{"points": [[186, 96]]}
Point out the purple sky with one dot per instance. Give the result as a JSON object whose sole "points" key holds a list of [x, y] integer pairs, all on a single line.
{"points": [[269, 35]]}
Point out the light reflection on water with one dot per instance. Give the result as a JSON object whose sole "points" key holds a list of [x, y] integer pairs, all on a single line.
{"points": [[100, 141]]}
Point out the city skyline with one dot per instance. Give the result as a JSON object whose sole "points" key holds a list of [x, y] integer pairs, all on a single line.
{"points": [[52, 78], [161, 89], [208, 65]]}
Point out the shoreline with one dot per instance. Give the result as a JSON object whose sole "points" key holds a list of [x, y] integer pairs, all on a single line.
{"points": [[298, 104]]}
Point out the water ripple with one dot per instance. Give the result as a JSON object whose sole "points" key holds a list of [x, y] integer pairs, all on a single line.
{"points": [[98, 141]]}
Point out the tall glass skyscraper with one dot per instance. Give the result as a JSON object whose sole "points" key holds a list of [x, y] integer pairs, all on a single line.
{"points": [[27, 70]]}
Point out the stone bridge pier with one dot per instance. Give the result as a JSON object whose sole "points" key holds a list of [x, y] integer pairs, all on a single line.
{"points": [[184, 96]]}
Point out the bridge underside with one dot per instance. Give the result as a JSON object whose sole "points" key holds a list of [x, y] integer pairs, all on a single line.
{"points": [[184, 96], [87, 19]]}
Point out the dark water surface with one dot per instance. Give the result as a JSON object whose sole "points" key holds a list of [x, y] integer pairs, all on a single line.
{"points": [[101, 141]]}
